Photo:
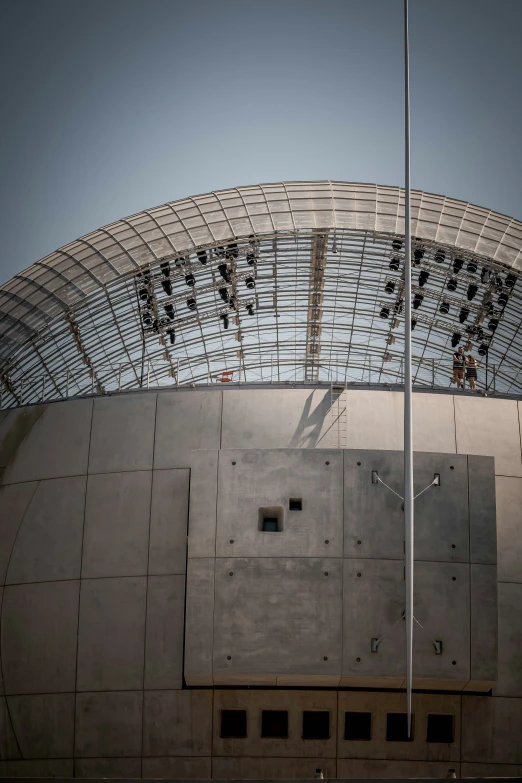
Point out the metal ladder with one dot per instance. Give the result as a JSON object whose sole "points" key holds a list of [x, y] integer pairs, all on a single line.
{"points": [[338, 423]]}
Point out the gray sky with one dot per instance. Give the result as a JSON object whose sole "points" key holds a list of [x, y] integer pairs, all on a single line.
{"points": [[113, 106]]}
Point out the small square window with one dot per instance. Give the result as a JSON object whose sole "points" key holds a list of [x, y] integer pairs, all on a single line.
{"points": [[233, 724], [316, 725], [274, 723], [270, 519], [440, 728], [397, 727], [295, 504], [358, 725]]}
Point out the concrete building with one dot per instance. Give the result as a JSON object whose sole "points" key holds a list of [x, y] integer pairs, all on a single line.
{"points": [[201, 540]]}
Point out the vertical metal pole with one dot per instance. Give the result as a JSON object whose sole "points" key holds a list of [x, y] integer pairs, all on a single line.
{"points": [[408, 424]]}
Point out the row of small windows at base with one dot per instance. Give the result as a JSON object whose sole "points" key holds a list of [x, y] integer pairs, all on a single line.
{"points": [[316, 726]]}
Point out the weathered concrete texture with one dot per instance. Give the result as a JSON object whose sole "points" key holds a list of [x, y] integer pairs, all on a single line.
{"points": [[44, 725], [199, 621], [9, 747], [164, 639], [276, 419], [294, 702], [491, 430], [42, 768], [470, 770], [169, 522], [38, 634], [117, 514], [252, 479], [14, 501], [509, 528], [108, 724], [56, 445], [491, 730], [277, 616], [177, 723], [186, 421], [203, 494], [107, 768], [362, 769], [271, 768], [111, 634], [485, 621], [49, 542], [122, 435], [482, 512], [380, 704], [177, 768], [509, 641]]}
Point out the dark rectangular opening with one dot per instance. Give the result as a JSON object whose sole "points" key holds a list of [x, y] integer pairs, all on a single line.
{"points": [[440, 728], [233, 724], [270, 525], [358, 725], [316, 725], [270, 519], [397, 727], [274, 723], [295, 504]]}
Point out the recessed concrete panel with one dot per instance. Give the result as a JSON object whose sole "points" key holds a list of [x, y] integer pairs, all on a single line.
{"points": [[39, 628], [14, 501], [117, 514], [164, 640], [509, 528], [9, 747], [44, 725], [491, 730], [177, 768], [169, 522], [42, 768], [377, 769], [373, 513], [111, 634], [55, 445], [482, 514], [108, 724], [276, 419], [484, 627], [379, 705], [491, 428], [271, 768], [107, 768], [199, 620], [509, 640], [49, 543], [122, 433], [277, 616], [186, 421], [253, 479], [294, 702], [177, 723], [203, 500]]}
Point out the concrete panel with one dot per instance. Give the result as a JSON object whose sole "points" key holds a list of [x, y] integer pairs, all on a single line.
{"points": [[433, 423], [509, 641], [248, 480], [56, 445], [490, 427], [441, 513], [39, 628], [178, 768], [44, 725], [380, 704], [199, 619], [276, 419], [122, 433], [108, 724], [9, 748], [491, 730], [117, 514], [43, 768], [164, 638], [482, 513], [186, 421], [469, 770], [169, 522], [484, 626], [111, 634], [277, 616], [363, 769], [373, 605], [49, 543], [14, 501], [294, 702], [509, 529], [177, 723], [203, 500], [271, 768], [107, 768]]}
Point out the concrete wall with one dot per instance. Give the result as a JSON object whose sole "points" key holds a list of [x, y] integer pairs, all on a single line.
{"points": [[93, 522]]}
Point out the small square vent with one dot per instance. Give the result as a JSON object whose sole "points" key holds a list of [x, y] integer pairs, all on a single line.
{"points": [[270, 519]]}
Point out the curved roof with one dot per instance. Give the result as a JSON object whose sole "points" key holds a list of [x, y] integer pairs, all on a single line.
{"points": [[321, 260]]}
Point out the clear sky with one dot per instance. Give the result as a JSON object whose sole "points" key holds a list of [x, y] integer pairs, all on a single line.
{"points": [[113, 106]]}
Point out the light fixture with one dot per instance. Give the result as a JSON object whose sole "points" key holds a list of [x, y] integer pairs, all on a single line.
{"points": [[223, 292], [455, 340], [165, 268], [463, 315], [413, 323], [172, 336], [190, 280], [397, 244], [232, 302], [224, 272], [202, 257], [483, 349], [219, 251], [452, 284], [389, 287], [143, 294], [493, 324], [167, 286], [503, 299], [472, 290], [472, 267], [250, 309], [251, 259], [385, 312], [498, 282], [250, 282], [423, 277], [147, 319], [191, 304], [439, 256], [395, 263], [169, 309], [224, 318], [418, 254], [232, 251], [182, 260], [458, 263], [444, 308], [417, 301], [510, 281], [334, 245], [485, 274]]}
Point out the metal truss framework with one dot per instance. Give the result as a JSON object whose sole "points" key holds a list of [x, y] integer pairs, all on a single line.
{"points": [[299, 282]]}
